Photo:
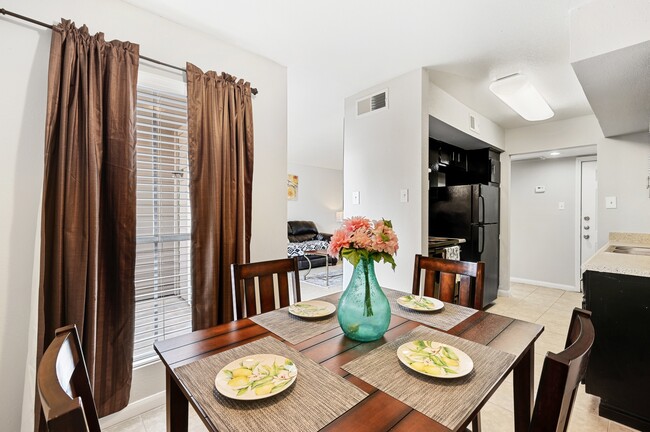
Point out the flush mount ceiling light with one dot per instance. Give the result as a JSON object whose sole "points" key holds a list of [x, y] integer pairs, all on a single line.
{"points": [[555, 153], [520, 95]]}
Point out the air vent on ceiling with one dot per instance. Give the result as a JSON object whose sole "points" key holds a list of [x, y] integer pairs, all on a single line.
{"points": [[372, 103], [473, 123]]}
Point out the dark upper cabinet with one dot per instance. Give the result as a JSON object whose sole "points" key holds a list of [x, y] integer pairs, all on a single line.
{"points": [[453, 166], [484, 166]]}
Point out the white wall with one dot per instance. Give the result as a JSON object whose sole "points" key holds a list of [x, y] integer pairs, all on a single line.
{"points": [[450, 110], [384, 152], [26, 48], [623, 170], [575, 132], [320, 196], [543, 236]]}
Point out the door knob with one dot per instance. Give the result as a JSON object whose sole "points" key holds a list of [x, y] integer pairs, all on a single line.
{"points": [[586, 218], [586, 227], [586, 236]]}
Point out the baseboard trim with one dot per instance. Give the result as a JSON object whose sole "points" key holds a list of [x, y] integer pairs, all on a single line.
{"points": [[544, 284], [133, 409]]}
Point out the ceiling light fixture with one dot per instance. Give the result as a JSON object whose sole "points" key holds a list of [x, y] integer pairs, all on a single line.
{"points": [[519, 94], [555, 153]]}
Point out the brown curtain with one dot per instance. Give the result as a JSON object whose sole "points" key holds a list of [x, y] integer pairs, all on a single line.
{"points": [[220, 131], [88, 228]]}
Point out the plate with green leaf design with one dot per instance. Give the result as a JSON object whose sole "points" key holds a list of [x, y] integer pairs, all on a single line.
{"points": [[313, 309], [435, 359], [255, 377], [420, 303]]}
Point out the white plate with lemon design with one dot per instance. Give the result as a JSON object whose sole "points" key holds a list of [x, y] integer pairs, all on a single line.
{"points": [[255, 377], [312, 309], [420, 304], [435, 359]]}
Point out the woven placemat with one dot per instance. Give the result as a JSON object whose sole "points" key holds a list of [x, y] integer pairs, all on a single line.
{"points": [[317, 397], [447, 401], [293, 329], [444, 319]]}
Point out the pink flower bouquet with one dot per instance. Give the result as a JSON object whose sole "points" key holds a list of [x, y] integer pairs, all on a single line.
{"points": [[359, 238]]}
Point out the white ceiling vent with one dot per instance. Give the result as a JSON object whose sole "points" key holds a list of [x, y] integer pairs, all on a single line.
{"points": [[372, 103]]}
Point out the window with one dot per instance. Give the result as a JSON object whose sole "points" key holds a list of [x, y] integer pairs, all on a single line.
{"points": [[163, 292]]}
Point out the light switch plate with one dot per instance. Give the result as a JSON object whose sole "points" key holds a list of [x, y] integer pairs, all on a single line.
{"points": [[356, 197], [540, 189], [404, 195], [610, 202]]}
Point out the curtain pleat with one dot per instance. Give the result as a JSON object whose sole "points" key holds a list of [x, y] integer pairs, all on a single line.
{"points": [[220, 131], [89, 206]]}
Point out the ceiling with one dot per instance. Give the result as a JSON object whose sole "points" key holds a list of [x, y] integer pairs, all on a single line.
{"points": [[337, 48]]}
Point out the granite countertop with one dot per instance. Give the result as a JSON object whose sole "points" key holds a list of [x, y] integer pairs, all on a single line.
{"points": [[628, 264], [444, 241]]}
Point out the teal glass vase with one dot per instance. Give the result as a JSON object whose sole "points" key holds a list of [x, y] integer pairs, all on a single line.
{"points": [[364, 311]]}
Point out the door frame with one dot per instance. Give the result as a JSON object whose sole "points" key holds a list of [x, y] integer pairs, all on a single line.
{"points": [[578, 210]]}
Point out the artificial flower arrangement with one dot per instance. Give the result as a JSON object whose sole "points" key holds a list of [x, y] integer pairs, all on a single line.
{"points": [[359, 238]]}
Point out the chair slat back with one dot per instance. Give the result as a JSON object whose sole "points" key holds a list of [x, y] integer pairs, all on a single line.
{"points": [[255, 283], [561, 375], [470, 289], [64, 387]]}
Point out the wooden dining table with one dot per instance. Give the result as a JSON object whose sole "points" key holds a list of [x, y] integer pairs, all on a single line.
{"points": [[332, 349]]}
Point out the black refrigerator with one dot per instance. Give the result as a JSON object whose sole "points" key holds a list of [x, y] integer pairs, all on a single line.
{"points": [[470, 212]]}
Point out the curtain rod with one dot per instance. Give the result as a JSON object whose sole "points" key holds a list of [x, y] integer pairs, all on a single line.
{"points": [[4, 11]]}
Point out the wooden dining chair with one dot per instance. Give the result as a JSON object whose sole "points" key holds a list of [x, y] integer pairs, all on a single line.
{"points": [[470, 289], [64, 387], [561, 375], [245, 277]]}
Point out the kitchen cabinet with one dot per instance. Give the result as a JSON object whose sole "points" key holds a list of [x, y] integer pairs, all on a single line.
{"points": [[484, 166], [619, 367]]}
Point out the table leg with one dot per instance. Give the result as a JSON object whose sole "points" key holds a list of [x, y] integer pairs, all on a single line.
{"points": [[327, 271], [523, 387], [176, 406], [309, 269]]}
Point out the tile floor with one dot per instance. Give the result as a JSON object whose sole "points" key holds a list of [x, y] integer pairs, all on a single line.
{"points": [[549, 307]]}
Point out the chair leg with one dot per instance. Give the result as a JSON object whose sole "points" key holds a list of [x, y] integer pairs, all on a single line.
{"points": [[476, 423]]}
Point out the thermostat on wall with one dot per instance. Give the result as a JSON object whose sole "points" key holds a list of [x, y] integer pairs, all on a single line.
{"points": [[540, 189]]}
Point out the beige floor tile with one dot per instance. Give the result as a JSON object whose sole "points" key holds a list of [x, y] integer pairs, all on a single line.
{"points": [[134, 424], [522, 287], [585, 402], [549, 341], [617, 427], [496, 419], [195, 424], [537, 301], [554, 320], [581, 421], [549, 292], [524, 314], [574, 296], [555, 327], [503, 397], [154, 420], [562, 307]]}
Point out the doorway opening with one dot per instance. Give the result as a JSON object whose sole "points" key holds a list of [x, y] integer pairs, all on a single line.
{"points": [[548, 203]]}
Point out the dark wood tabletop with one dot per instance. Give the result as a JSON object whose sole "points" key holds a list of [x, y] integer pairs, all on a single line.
{"points": [[378, 411]]}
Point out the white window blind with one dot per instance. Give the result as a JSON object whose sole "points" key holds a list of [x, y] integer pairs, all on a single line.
{"points": [[162, 274]]}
